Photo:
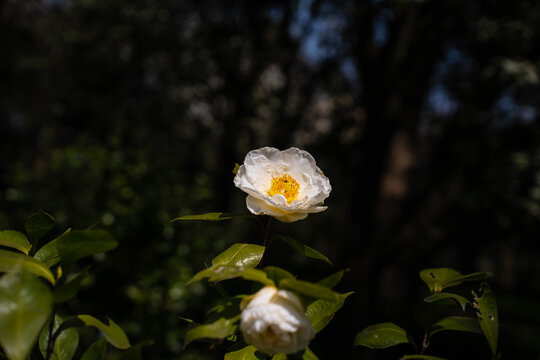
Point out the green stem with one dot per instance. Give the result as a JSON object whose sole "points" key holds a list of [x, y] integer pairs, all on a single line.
{"points": [[265, 238], [50, 340]]}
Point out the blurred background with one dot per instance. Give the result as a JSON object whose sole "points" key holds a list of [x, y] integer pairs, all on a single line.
{"points": [[423, 114]]}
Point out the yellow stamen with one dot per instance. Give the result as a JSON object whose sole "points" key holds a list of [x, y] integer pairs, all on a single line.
{"points": [[286, 186]]}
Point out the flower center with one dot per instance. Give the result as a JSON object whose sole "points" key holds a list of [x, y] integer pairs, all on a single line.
{"points": [[286, 186]]}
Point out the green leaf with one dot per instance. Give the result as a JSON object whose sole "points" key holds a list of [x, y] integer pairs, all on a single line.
{"points": [[74, 245], [213, 216], [112, 332], [321, 312], [96, 351], [227, 309], [134, 352], [420, 357], [333, 279], [304, 249], [489, 317], [14, 262], [276, 274], [247, 255], [382, 336], [219, 329], [438, 279], [442, 296], [309, 355], [310, 289], [219, 273], [37, 225], [68, 290], [247, 353], [456, 323], [235, 169], [64, 346], [25, 306], [15, 240]]}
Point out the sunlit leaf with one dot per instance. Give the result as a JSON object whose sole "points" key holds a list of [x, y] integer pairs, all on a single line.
{"points": [[489, 316], [25, 306], [442, 296], [68, 290], [382, 336], [310, 289], [333, 279], [219, 329], [309, 355], [304, 249], [37, 225], [276, 274], [112, 332], [438, 279], [321, 312], [15, 240], [15, 262], [247, 255], [247, 353], [76, 245], [219, 273], [96, 351], [456, 323], [64, 346], [213, 216], [420, 357]]}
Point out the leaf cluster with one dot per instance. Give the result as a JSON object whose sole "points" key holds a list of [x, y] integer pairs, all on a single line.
{"points": [[384, 335], [30, 307]]}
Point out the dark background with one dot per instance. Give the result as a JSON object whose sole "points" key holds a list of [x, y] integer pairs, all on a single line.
{"points": [[423, 114]]}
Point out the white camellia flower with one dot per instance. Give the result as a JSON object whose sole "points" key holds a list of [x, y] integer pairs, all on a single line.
{"points": [[286, 184], [274, 321]]}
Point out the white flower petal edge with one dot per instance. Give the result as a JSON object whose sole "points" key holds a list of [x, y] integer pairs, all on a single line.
{"points": [[274, 321], [266, 166]]}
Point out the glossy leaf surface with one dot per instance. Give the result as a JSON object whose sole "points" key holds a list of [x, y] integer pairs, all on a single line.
{"points": [[219, 273], [219, 329], [15, 262], [25, 306], [64, 346], [15, 240], [382, 336], [247, 255], [75, 245]]}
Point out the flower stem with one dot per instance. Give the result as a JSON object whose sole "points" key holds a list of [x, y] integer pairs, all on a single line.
{"points": [[267, 231], [265, 238]]}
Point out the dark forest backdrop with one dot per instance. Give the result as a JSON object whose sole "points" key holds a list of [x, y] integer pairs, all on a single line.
{"points": [[423, 114]]}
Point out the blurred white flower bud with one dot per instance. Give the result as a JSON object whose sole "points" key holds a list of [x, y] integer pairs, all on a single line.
{"points": [[274, 321]]}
